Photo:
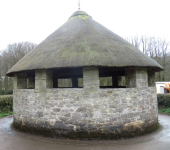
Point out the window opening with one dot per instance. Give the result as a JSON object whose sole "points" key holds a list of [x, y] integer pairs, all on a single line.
{"points": [[80, 82], [67, 78], [112, 77], [105, 82], [64, 83], [31, 80]]}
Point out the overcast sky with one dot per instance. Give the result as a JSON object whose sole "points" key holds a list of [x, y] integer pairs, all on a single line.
{"points": [[34, 20]]}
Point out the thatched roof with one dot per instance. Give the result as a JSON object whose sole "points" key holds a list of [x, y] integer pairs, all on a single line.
{"points": [[81, 41]]}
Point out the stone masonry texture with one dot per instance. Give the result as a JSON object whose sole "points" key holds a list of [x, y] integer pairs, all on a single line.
{"points": [[90, 79], [43, 79], [72, 110], [88, 112], [136, 77]]}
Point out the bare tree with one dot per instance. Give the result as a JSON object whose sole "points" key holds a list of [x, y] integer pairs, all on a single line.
{"points": [[10, 56], [156, 48]]}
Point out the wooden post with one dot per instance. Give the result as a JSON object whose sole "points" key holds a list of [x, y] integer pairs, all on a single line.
{"points": [[114, 81], [74, 82]]}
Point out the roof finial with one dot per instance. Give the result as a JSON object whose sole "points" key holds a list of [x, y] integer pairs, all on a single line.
{"points": [[79, 5]]}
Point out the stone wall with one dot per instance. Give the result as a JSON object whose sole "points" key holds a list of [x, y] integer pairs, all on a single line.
{"points": [[43, 79], [90, 79], [71, 112], [136, 77]]}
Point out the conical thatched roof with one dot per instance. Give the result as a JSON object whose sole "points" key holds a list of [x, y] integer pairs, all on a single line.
{"points": [[81, 41]]}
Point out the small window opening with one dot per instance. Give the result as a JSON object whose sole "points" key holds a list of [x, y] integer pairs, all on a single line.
{"points": [[112, 78], [68, 78], [105, 82], [121, 81], [31, 80], [80, 82], [64, 83]]}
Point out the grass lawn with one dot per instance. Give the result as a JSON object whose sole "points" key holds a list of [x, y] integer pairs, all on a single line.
{"points": [[165, 111], [2, 114]]}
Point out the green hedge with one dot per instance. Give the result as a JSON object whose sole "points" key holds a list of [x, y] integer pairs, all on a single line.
{"points": [[6, 104], [163, 100], [6, 92]]}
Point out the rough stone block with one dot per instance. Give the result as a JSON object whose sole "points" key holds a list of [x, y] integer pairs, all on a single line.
{"points": [[56, 109], [43, 79], [136, 77], [90, 79], [40, 114]]}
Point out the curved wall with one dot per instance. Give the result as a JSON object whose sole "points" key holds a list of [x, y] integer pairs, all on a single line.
{"points": [[75, 113]]}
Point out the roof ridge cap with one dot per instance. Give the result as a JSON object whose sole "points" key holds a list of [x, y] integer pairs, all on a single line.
{"points": [[79, 13]]}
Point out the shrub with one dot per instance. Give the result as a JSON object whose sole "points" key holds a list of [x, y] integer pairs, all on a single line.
{"points": [[165, 110], [163, 100], [6, 104], [6, 93]]}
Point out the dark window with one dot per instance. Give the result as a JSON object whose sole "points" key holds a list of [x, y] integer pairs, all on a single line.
{"points": [[112, 77], [68, 78]]}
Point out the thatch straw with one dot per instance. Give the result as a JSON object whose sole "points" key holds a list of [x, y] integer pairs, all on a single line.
{"points": [[81, 41]]}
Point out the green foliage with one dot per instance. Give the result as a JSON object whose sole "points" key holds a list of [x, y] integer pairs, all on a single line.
{"points": [[5, 114], [6, 104], [163, 100], [6, 93], [165, 111]]}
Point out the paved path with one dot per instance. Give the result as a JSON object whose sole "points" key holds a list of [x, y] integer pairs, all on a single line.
{"points": [[14, 140]]}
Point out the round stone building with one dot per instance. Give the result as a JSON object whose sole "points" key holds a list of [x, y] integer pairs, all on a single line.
{"points": [[84, 49]]}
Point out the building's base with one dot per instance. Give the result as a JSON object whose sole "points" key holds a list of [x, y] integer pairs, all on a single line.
{"points": [[75, 113], [85, 132]]}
